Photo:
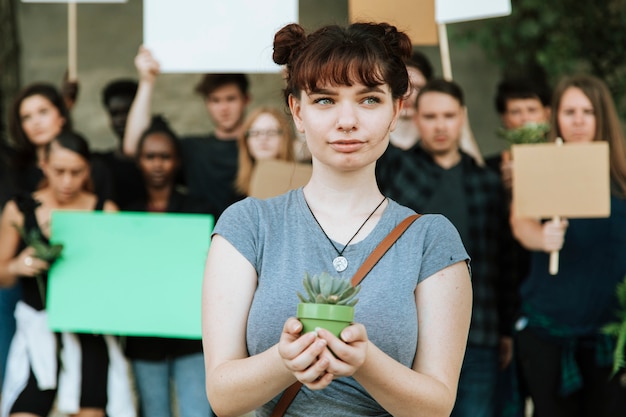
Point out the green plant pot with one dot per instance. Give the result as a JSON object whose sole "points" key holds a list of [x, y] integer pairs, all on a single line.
{"points": [[331, 317]]}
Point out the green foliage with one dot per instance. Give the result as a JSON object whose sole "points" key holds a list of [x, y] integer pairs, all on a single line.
{"points": [[327, 289], [618, 329], [529, 133], [43, 251], [555, 38]]}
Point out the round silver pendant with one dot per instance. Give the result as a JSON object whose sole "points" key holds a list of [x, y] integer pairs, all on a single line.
{"points": [[340, 263]]}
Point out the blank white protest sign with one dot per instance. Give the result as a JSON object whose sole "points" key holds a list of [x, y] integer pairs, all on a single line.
{"points": [[74, 1], [450, 11], [203, 36]]}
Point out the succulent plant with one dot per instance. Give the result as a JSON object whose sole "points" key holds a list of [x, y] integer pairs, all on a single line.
{"points": [[529, 133], [327, 289]]}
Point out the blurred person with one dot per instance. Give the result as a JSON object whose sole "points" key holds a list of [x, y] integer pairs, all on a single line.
{"points": [[160, 362], [267, 134], [436, 176], [117, 97], [93, 379], [420, 70], [566, 360], [518, 101]]}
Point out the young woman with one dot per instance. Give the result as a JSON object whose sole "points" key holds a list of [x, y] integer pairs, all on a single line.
{"points": [[34, 376], [267, 134], [344, 90], [157, 361], [564, 313]]}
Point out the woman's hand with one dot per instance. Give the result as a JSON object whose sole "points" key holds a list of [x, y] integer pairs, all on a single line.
{"points": [[304, 355], [345, 354], [27, 265], [147, 66], [554, 235]]}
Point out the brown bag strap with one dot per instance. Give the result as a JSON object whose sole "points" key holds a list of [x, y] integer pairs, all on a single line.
{"points": [[290, 393]]}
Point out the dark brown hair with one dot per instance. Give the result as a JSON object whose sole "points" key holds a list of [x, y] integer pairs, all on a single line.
{"points": [[368, 53], [608, 127], [25, 150], [211, 82]]}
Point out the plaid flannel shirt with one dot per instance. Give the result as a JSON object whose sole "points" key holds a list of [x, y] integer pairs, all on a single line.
{"points": [[411, 178]]}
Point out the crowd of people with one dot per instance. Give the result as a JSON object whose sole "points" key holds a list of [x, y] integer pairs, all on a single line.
{"points": [[459, 318]]}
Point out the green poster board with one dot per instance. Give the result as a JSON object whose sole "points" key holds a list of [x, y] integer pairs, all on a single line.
{"points": [[128, 273]]}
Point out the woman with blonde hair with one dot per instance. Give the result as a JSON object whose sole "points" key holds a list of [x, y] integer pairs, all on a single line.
{"points": [[267, 134]]}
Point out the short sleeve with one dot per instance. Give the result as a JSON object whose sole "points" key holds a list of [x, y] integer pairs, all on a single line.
{"points": [[239, 225], [442, 246]]}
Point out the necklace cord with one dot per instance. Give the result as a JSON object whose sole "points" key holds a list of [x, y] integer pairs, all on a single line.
{"points": [[340, 253]]}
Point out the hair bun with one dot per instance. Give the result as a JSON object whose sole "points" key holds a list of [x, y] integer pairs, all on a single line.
{"points": [[286, 41], [398, 41]]}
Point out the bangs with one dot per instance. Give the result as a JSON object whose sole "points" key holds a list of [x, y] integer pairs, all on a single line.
{"points": [[344, 66]]}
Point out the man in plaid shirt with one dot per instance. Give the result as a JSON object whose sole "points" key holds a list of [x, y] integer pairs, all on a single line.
{"points": [[435, 176]]}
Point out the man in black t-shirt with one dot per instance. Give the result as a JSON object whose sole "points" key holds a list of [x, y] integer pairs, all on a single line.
{"points": [[209, 161]]}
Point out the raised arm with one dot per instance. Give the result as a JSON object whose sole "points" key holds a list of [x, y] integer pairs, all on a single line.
{"points": [[141, 109]]}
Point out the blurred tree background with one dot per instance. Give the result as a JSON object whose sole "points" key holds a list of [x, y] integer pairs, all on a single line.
{"points": [[547, 39]]}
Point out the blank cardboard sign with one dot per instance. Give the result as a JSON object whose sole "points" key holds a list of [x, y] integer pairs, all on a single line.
{"points": [[415, 17], [272, 177], [561, 180]]}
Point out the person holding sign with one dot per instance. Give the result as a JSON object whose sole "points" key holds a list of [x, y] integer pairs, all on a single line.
{"points": [[266, 134], [210, 161], [85, 373], [158, 361], [565, 359], [344, 90]]}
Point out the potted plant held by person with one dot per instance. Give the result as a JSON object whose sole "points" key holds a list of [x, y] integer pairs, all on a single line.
{"points": [[328, 303], [526, 134]]}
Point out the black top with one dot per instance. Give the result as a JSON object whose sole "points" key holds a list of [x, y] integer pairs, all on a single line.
{"points": [[32, 293], [158, 348], [411, 178], [127, 183], [210, 166]]}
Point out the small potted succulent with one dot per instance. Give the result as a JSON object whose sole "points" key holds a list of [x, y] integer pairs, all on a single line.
{"points": [[328, 303]]}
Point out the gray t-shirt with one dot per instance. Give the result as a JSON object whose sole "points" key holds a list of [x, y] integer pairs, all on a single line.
{"points": [[281, 239]]}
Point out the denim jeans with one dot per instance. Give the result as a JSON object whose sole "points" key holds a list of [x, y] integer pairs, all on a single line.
{"points": [[476, 396], [153, 379], [8, 299]]}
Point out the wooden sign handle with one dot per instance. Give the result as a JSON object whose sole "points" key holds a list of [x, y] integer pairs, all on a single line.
{"points": [[554, 255], [71, 42]]}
